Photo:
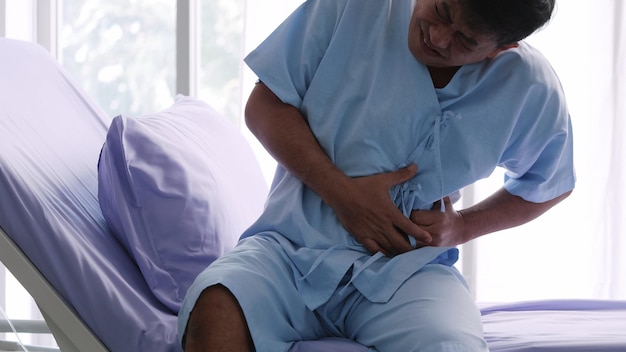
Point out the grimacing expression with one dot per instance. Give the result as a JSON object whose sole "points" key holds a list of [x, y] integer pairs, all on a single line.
{"points": [[438, 36]]}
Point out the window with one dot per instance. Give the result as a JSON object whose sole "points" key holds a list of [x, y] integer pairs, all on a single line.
{"points": [[122, 52], [221, 50]]}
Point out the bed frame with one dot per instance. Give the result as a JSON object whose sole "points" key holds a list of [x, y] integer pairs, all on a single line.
{"points": [[70, 333]]}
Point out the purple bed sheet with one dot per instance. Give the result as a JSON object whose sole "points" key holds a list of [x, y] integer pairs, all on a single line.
{"points": [[50, 139], [556, 325]]}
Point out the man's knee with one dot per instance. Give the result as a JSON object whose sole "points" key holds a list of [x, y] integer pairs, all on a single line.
{"points": [[216, 319]]}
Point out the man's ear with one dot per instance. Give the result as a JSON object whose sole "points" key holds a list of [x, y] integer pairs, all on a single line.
{"points": [[501, 49]]}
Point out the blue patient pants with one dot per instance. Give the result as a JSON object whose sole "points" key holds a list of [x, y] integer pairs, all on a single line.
{"points": [[432, 310]]}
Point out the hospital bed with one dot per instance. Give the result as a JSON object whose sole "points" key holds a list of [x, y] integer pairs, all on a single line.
{"points": [[102, 291]]}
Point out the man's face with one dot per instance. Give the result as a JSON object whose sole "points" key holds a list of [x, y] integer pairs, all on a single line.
{"points": [[438, 36]]}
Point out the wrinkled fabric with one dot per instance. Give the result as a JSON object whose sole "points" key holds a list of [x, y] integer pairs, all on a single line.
{"points": [[435, 301], [373, 109], [50, 138]]}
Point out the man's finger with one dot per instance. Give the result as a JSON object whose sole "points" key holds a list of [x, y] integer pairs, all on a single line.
{"points": [[401, 175], [409, 228], [446, 201], [374, 247]]}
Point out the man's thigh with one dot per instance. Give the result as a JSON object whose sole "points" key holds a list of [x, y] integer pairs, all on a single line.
{"points": [[432, 311]]}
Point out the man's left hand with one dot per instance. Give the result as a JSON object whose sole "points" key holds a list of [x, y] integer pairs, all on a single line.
{"points": [[446, 228]]}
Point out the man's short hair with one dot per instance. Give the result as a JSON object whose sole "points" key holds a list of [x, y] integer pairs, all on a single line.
{"points": [[507, 21]]}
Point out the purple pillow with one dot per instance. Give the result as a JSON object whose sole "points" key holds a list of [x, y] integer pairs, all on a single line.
{"points": [[178, 188]]}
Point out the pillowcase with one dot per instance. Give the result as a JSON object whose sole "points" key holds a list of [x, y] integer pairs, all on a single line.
{"points": [[177, 188]]}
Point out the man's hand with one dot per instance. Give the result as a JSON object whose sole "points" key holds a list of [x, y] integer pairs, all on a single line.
{"points": [[362, 205], [500, 211], [446, 228], [365, 210]]}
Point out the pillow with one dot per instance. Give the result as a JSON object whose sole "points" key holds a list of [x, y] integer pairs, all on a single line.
{"points": [[177, 188]]}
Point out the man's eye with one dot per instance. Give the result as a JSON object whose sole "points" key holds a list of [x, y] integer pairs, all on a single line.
{"points": [[441, 16], [464, 46]]}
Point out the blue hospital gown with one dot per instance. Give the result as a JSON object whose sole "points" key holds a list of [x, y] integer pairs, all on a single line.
{"points": [[373, 108], [345, 64]]}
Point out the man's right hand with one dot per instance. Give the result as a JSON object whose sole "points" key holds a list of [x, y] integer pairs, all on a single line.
{"points": [[363, 204], [366, 210]]}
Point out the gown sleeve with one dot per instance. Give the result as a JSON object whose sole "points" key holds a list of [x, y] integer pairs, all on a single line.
{"points": [[287, 60], [539, 158]]}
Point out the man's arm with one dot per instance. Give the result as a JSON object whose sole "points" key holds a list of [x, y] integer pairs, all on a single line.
{"points": [[362, 205], [500, 211]]}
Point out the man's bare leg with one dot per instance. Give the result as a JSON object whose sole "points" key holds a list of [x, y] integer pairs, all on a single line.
{"points": [[217, 323]]}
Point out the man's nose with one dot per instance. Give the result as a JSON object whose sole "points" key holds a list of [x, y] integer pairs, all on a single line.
{"points": [[440, 35]]}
